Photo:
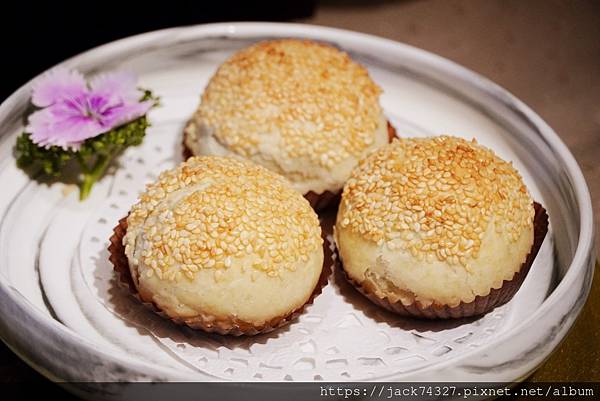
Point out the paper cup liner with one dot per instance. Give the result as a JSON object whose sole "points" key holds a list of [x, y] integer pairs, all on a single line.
{"points": [[481, 304], [318, 201], [208, 323]]}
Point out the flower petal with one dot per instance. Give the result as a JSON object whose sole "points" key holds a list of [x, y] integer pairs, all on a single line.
{"points": [[123, 113], [56, 85], [57, 126], [75, 112], [121, 86]]}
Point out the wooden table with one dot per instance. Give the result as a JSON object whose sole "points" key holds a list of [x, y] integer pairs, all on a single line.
{"points": [[545, 52]]}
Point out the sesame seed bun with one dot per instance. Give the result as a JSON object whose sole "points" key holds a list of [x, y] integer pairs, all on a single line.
{"points": [[434, 223], [221, 245], [300, 108]]}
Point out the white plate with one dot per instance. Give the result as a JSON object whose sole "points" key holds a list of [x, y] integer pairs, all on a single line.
{"points": [[63, 313]]}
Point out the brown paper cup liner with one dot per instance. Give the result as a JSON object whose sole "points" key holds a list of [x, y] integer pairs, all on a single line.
{"points": [[481, 304], [225, 326], [318, 201]]}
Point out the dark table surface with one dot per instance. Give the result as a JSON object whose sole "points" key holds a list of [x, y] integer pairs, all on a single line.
{"points": [[545, 52]]}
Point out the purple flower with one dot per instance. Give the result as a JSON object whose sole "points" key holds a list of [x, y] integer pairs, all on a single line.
{"points": [[73, 110]]}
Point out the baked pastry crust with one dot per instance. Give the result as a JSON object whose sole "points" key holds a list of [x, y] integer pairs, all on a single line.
{"points": [[434, 222], [228, 326], [481, 305], [223, 245], [301, 108]]}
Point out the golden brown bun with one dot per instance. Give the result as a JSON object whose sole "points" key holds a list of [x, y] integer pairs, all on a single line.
{"points": [[222, 240], [300, 108], [434, 221]]}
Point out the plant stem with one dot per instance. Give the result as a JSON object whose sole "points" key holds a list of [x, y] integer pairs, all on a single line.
{"points": [[90, 177]]}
